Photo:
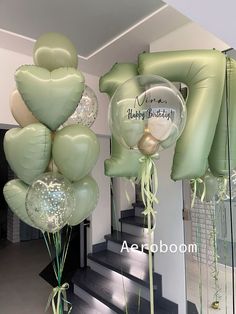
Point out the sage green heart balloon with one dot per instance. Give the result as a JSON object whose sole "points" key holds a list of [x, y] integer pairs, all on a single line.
{"points": [[86, 195], [53, 51], [75, 151], [52, 97], [28, 150], [15, 194]]}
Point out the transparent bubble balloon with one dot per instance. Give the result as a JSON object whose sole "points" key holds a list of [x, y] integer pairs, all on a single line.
{"points": [[86, 111], [50, 202], [148, 113]]}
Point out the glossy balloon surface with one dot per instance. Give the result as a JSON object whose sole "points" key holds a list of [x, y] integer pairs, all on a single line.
{"points": [[50, 202], [28, 151], [51, 96], [75, 151], [53, 51]]}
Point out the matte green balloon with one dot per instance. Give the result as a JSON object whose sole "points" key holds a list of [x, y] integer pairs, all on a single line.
{"points": [[123, 162], [52, 97], [53, 51], [28, 150], [15, 194], [75, 151], [203, 72], [86, 195], [211, 187], [219, 157]]}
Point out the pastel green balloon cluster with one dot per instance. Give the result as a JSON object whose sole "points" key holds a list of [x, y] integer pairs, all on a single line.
{"points": [[51, 90]]}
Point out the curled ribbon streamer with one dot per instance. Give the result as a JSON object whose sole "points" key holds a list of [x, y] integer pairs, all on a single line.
{"points": [[149, 185], [195, 182], [60, 293]]}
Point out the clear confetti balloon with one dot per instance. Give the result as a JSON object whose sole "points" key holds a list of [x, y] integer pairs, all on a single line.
{"points": [[50, 202], [87, 110]]}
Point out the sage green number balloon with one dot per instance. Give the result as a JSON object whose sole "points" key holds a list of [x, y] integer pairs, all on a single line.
{"points": [[75, 151], [28, 150], [86, 195], [15, 194], [219, 157], [123, 162], [53, 51], [51, 96], [203, 71]]}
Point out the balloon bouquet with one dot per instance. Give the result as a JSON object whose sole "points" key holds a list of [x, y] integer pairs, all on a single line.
{"points": [[54, 188], [146, 114]]}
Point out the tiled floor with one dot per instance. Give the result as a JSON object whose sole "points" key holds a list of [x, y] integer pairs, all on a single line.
{"points": [[22, 290], [193, 282]]}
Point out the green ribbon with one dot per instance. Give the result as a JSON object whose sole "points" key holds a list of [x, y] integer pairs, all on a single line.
{"points": [[54, 241], [149, 185], [195, 183], [60, 294]]}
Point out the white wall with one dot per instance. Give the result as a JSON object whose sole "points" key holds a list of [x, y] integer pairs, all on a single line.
{"points": [[217, 17], [170, 227], [101, 218]]}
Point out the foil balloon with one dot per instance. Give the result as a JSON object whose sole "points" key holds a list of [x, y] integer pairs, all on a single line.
{"points": [[87, 110], [15, 194], [53, 51], [51, 96], [157, 109], [86, 194], [50, 202], [19, 110], [28, 150], [75, 151]]}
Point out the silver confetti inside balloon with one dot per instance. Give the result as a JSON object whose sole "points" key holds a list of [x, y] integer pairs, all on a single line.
{"points": [[50, 202], [86, 111]]}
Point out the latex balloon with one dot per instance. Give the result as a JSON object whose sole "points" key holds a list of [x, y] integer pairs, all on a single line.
{"points": [[53, 51], [52, 166], [219, 158], [51, 96], [86, 195], [15, 194], [159, 106], [87, 110], [123, 162], [19, 110], [28, 151], [148, 145], [75, 151], [50, 202], [203, 71]]}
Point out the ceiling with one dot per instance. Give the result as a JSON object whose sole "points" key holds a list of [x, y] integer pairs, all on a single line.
{"points": [[89, 23], [104, 31]]}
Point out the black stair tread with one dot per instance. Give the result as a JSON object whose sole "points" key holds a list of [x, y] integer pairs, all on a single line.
{"points": [[120, 237], [133, 269], [135, 220], [79, 306], [110, 293]]}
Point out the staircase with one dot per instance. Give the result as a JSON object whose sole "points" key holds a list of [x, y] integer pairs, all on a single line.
{"points": [[118, 282]]}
